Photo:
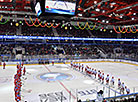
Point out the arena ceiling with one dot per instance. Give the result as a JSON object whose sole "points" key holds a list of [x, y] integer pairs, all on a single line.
{"points": [[105, 12]]}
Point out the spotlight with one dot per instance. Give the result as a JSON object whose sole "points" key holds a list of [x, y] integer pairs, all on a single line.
{"points": [[103, 21], [134, 13], [95, 2], [103, 11], [53, 20], [107, 21]]}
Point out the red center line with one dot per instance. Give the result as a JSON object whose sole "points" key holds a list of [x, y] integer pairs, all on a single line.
{"points": [[61, 84]]}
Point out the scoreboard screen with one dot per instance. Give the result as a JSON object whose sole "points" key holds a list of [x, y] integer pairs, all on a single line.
{"points": [[66, 7], [38, 9]]}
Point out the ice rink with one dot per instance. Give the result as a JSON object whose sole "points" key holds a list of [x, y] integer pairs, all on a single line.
{"points": [[47, 83]]}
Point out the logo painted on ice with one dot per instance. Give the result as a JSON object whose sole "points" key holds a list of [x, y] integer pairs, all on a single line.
{"points": [[54, 76]]}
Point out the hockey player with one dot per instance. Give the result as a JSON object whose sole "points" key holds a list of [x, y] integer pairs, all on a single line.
{"points": [[24, 71], [95, 73], [122, 88], [4, 64], [71, 64], [79, 66], [82, 67], [107, 79], [112, 82], [127, 90], [22, 64], [76, 66], [102, 78], [52, 62], [119, 84], [99, 75]]}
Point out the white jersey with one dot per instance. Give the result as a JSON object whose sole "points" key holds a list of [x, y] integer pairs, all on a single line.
{"points": [[79, 65], [119, 82], [71, 63], [127, 90], [102, 77], [92, 71], [123, 86], [112, 80], [95, 72], [107, 78]]}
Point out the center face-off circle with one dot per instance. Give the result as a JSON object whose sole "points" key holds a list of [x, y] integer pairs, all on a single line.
{"points": [[54, 76]]}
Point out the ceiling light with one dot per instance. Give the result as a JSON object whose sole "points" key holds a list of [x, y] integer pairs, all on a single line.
{"points": [[53, 20], [103, 11], [96, 19], [107, 21], [111, 31], [134, 13], [97, 9], [95, 2], [111, 6], [103, 20], [132, 18]]}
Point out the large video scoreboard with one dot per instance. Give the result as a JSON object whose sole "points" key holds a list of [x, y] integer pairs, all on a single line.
{"points": [[47, 8]]}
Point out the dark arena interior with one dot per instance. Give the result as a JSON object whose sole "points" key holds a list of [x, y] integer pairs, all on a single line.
{"points": [[68, 50]]}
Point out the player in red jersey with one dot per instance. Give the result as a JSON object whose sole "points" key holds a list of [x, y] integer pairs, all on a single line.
{"points": [[24, 71], [22, 64], [52, 62], [4, 65]]}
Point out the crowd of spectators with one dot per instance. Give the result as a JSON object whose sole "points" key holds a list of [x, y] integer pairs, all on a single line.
{"points": [[95, 50], [72, 32], [7, 30], [31, 31]]}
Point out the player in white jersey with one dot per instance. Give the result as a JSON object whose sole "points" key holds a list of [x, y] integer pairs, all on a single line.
{"points": [[82, 67], [119, 84], [92, 71], [102, 78], [71, 64], [127, 90], [95, 73], [112, 82], [122, 88], [99, 75], [79, 66], [76, 66], [107, 79]]}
